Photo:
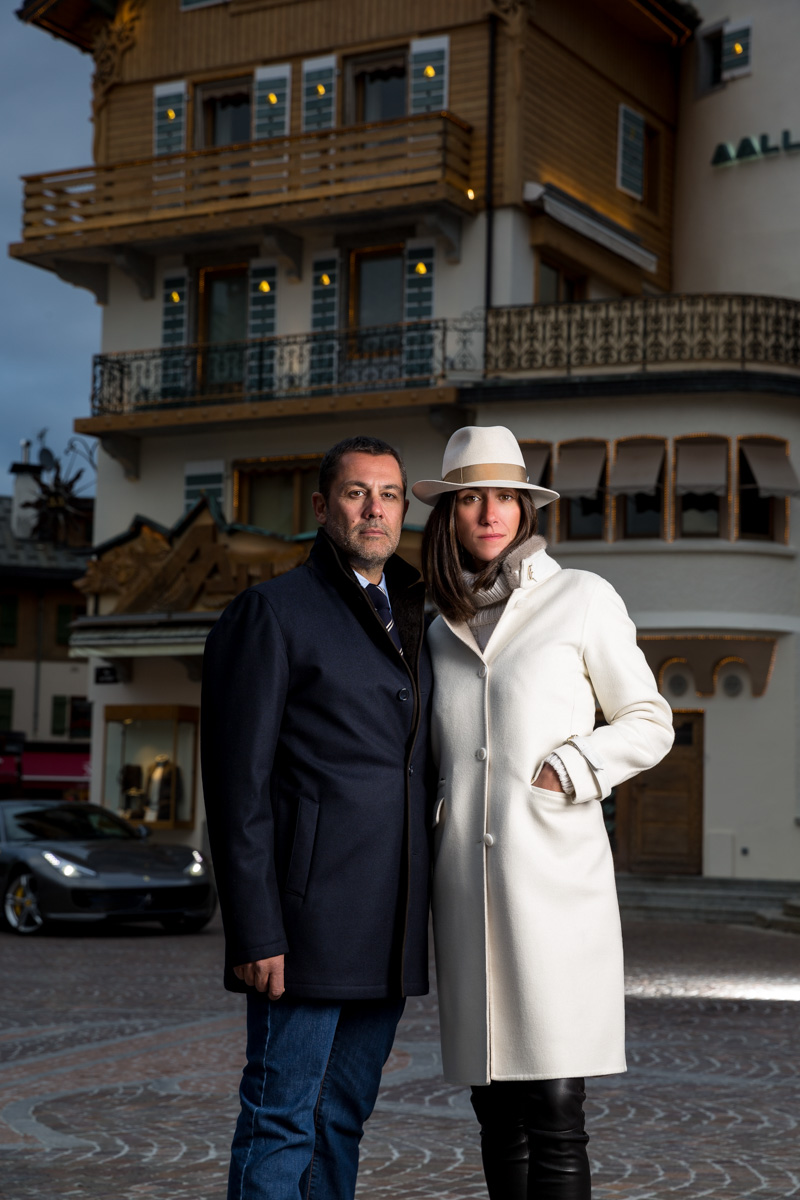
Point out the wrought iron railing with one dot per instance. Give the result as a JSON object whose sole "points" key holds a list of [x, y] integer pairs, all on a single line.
{"points": [[612, 337]]}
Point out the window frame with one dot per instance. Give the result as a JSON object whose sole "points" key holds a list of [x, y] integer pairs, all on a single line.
{"points": [[544, 517], [175, 713], [563, 505], [619, 511], [725, 505], [355, 64], [567, 273], [217, 89], [282, 464], [779, 511]]}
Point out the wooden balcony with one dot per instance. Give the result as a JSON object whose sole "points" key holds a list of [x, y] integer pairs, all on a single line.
{"points": [[394, 165]]}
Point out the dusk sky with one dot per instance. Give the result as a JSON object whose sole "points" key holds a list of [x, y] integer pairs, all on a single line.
{"points": [[49, 329]]}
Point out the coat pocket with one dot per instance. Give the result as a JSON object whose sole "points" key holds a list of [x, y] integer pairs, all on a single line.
{"points": [[305, 831]]}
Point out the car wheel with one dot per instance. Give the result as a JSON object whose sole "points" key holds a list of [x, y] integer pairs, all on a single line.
{"points": [[21, 905], [184, 924]]}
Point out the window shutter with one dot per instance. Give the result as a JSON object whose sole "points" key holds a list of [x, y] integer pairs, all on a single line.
{"points": [[261, 326], [169, 118], [319, 93], [324, 318], [418, 338], [630, 152], [8, 620], [203, 479], [174, 333], [58, 716], [430, 60], [187, 5], [736, 50], [272, 89]]}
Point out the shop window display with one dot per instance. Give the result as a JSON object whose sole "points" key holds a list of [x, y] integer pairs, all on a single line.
{"points": [[149, 773]]}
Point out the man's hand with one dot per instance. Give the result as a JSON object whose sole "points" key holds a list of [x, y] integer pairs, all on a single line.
{"points": [[266, 975], [548, 779]]}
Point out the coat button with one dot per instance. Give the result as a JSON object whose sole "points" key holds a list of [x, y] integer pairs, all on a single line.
{"points": [[482, 673], [488, 840], [411, 770], [402, 694], [480, 754]]}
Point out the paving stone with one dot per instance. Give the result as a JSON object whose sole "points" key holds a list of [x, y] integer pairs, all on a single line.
{"points": [[120, 1057]]}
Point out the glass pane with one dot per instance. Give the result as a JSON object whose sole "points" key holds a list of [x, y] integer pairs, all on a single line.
{"points": [[272, 502], [755, 512], [643, 515], [586, 516], [700, 515], [548, 284], [380, 289], [227, 308], [230, 119], [141, 777], [384, 95]]}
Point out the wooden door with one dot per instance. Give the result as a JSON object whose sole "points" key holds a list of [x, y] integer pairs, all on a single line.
{"points": [[658, 816]]}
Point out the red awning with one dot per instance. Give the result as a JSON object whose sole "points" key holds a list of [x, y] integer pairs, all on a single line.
{"points": [[9, 768], [53, 768]]}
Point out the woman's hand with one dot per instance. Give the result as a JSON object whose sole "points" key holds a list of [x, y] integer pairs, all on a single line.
{"points": [[548, 779]]}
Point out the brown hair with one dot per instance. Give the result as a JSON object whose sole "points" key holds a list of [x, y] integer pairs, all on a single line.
{"points": [[444, 558]]}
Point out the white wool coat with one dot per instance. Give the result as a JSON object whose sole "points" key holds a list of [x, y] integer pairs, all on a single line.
{"points": [[526, 921]]}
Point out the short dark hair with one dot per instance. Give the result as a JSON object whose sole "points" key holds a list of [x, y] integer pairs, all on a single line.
{"points": [[355, 445], [444, 558]]}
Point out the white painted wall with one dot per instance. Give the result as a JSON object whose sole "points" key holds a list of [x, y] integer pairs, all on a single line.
{"points": [[736, 228]]}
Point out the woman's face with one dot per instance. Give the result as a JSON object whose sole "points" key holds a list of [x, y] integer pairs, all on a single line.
{"points": [[487, 520]]}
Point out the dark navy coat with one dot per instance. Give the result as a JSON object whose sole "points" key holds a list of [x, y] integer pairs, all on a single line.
{"points": [[316, 778]]}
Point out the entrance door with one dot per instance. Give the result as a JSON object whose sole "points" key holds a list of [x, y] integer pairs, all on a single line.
{"points": [[658, 822], [223, 326]]}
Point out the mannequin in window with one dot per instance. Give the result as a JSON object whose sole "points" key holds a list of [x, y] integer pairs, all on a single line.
{"points": [[164, 784]]}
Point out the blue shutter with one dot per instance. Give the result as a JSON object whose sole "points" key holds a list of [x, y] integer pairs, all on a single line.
{"points": [[319, 94], [174, 333], [736, 50], [187, 5], [324, 318], [263, 281], [272, 89], [630, 152], [169, 118], [418, 338], [203, 479], [429, 60]]}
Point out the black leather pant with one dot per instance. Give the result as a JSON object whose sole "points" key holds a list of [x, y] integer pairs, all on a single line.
{"points": [[533, 1142]]}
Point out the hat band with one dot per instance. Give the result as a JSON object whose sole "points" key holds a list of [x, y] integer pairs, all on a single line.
{"points": [[482, 472]]}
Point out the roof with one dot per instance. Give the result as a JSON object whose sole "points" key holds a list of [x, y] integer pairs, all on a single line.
{"points": [[36, 560]]}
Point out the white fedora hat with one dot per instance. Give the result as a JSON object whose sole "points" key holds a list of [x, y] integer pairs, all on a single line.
{"points": [[486, 457]]}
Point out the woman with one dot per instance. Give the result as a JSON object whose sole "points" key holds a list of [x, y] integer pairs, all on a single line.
{"points": [[526, 922]]}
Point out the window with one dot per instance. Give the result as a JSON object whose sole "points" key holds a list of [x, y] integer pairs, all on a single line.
{"points": [[203, 479], [222, 325], [65, 615], [59, 716], [275, 493], [538, 463], [149, 772], [9, 613], [723, 53], [558, 284], [71, 716], [638, 157], [701, 487], [375, 88], [579, 477], [6, 710], [766, 480], [376, 286], [223, 113], [637, 481]]}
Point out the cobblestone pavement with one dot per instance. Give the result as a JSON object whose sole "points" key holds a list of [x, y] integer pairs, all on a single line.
{"points": [[121, 1054]]}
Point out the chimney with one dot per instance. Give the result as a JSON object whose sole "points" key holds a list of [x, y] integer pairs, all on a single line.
{"points": [[26, 488]]}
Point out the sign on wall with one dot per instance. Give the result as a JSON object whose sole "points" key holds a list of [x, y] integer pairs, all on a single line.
{"points": [[751, 148]]}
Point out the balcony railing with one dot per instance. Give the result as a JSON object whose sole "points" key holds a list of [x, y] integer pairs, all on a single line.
{"points": [[429, 149], [610, 337]]}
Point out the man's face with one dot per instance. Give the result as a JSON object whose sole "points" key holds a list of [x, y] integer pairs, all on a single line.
{"points": [[365, 510]]}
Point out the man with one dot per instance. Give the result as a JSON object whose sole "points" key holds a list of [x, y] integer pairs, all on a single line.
{"points": [[316, 688]]}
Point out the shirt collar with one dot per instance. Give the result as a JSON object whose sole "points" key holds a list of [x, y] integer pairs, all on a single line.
{"points": [[364, 582]]}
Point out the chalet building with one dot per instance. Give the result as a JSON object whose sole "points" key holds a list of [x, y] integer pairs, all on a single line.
{"points": [[308, 220]]}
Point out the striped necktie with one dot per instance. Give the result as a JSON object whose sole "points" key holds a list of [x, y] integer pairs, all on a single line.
{"points": [[379, 599]]}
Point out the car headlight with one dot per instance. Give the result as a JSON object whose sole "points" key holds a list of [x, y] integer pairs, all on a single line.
{"points": [[196, 868], [70, 869]]}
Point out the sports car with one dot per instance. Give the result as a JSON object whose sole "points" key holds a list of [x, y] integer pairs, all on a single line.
{"points": [[70, 861]]}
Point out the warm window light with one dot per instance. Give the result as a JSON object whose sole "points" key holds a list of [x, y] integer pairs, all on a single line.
{"points": [[421, 269], [171, 114], [470, 194], [264, 286], [738, 48], [325, 280], [272, 98], [175, 297], [320, 89], [429, 72]]}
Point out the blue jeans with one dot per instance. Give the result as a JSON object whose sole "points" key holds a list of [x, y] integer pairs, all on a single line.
{"points": [[311, 1080]]}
